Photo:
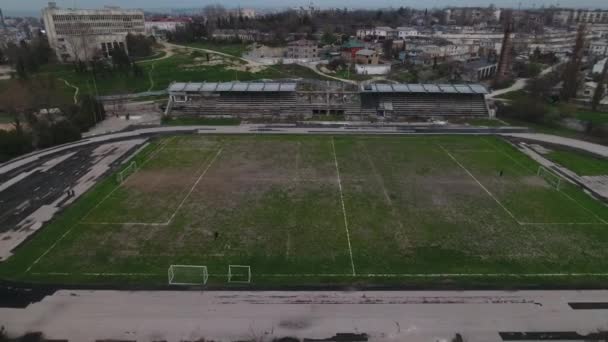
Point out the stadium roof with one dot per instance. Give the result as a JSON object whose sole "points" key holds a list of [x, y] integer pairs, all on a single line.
{"points": [[178, 87], [424, 88]]}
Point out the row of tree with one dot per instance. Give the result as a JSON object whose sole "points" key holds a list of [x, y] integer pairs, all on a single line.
{"points": [[27, 58], [43, 116]]}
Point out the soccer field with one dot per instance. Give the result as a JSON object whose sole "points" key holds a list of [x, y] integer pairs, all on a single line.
{"points": [[313, 210]]}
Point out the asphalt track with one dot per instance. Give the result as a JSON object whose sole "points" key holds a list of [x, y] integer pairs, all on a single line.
{"points": [[486, 316]]}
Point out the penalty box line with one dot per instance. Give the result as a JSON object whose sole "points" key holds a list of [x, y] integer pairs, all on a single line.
{"points": [[522, 166], [90, 211], [166, 223], [479, 183], [350, 249]]}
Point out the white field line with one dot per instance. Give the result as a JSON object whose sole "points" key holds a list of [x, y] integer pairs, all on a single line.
{"points": [[558, 175], [479, 183], [85, 216], [377, 175], [562, 223], [150, 157], [194, 185], [507, 155], [166, 223], [366, 275], [350, 249], [380, 180]]}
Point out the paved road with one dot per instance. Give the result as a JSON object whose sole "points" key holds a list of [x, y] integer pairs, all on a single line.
{"points": [[520, 83], [597, 149], [384, 316]]}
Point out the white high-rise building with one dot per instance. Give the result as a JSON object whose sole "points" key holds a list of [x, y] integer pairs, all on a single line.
{"points": [[81, 34]]}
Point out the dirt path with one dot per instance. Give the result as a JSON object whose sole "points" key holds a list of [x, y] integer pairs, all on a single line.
{"points": [[520, 83], [166, 49], [215, 52], [151, 77], [313, 67], [76, 89]]}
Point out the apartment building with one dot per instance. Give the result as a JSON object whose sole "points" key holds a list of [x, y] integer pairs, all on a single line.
{"points": [[158, 27], [599, 47], [303, 49], [572, 16], [79, 34]]}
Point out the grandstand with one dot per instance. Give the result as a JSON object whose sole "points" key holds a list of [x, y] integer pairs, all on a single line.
{"points": [[306, 99]]}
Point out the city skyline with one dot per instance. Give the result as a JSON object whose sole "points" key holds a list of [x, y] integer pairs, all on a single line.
{"points": [[32, 7]]}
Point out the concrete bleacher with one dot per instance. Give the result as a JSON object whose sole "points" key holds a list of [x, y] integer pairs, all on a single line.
{"points": [[283, 100]]}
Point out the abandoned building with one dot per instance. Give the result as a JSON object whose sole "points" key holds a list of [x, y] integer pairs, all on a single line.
{"points": [[307, 99]]}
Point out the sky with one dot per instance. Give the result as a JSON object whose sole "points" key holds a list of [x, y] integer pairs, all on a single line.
{"points": [[19, 7]]}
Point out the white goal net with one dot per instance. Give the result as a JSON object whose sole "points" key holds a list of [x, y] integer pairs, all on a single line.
{"points": [[126, 172], [188, 275], [550, 177], [239, 274]]}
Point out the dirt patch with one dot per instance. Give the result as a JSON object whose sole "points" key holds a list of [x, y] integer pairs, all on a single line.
{"points": [[160, 181], [535, 181]]}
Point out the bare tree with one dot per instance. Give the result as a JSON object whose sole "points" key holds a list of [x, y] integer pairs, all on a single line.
{"points": [[571, 75], [599, 91], [16, 102]]}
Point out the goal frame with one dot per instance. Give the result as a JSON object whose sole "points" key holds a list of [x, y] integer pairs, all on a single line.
{"points": [[230, 274], [120, 177], [544, 171], [171, 274]]}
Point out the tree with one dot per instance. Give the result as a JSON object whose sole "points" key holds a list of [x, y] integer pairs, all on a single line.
{"points": [[528, 109], [387, 48], [55, 133], [139, 45], [328, 37], [15, 100], [599, 91], [571, 76], [14, 143], [120, 59]]}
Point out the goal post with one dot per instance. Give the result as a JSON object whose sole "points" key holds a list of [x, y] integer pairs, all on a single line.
{"points": [[550, 177], [239, 274], [187, 275], [126, 172]]}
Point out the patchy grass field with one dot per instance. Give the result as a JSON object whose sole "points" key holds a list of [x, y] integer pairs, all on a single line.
{"points": [[314, 210], [583, 164]]}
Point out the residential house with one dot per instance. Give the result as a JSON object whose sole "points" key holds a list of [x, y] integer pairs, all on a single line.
{"points": [[350, 48], [366, 56]]}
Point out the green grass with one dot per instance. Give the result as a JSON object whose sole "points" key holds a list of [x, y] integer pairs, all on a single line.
{"points": [[414, 205], [234, 49], [583, 164], [156, 55], [514, 95], [201, 121], [591, 116], [5, 118], [178, 68]]}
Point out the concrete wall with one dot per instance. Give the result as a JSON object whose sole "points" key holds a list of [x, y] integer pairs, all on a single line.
{"points": [[373, 69]]}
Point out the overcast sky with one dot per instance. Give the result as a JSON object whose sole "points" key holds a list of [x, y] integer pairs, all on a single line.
{"points": [[15, 7]]}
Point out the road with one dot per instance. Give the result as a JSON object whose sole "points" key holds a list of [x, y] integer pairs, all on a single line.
{"points": [[383, 316], [520, 83]]}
